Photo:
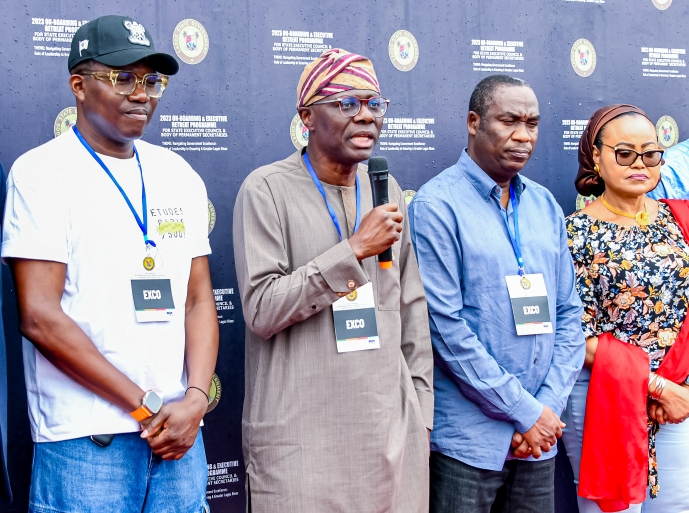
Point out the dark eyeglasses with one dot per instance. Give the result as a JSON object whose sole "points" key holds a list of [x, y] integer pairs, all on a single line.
{"points": [[350, 106], [125, 82], [627, 156]]}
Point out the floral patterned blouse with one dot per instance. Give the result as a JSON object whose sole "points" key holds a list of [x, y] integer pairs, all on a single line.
{"points": [[634, 284]]}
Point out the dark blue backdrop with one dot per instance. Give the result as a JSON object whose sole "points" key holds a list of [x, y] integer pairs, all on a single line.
{"points": [[230, 110]]}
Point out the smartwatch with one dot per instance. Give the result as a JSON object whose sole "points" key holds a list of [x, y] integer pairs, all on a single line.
{"points": [[150, 405]]}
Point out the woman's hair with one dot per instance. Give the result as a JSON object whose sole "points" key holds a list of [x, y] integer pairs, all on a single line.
{"points": [[598, 141]]}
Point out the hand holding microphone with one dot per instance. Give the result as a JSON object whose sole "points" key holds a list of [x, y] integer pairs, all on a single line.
{"points": [[382, 226]]}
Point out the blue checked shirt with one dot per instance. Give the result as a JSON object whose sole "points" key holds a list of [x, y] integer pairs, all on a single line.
{"points": [[674, 175], [488, 381]]}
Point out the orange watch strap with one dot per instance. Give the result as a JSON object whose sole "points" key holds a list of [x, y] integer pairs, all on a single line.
{"points": [[141, 413]]}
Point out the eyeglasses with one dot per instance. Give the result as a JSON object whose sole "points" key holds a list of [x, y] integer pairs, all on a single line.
{"points": [[627, 156], [350, 106], [125, 82]]}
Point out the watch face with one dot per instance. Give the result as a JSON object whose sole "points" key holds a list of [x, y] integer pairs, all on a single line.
{"points": [[153, 402]]}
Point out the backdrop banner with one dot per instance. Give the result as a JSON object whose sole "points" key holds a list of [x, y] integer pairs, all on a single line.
{"points": [[231, 109]]}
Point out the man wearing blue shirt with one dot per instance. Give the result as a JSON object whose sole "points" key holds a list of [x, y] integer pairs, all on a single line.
{"points": [[674, 175], [505, 315]]}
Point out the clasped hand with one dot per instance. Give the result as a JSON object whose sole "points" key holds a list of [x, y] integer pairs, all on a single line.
{"points": [[673, 406], [540, 438], [172, 431]]}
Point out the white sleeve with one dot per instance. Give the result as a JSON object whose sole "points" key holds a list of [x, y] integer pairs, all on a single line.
{"points": [[200, 245], [35, 224]]}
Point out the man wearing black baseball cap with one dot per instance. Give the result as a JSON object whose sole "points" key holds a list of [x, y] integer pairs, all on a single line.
{"points": [[107, 238]]}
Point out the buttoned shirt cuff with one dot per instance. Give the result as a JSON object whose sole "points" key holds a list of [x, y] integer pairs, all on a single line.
{"points": [[545, 396], [426, 401], [340, 269], [526, 412]]}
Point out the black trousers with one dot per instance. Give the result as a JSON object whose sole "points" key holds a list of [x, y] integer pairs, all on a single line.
{"points": [[520, 487]]}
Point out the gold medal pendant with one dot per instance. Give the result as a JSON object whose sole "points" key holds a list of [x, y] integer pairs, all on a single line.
{"points": [[643, 218], [526, 284], [149, 263]]}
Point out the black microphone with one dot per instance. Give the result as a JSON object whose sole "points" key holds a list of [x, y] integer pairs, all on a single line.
{"points": [[378, 174]]}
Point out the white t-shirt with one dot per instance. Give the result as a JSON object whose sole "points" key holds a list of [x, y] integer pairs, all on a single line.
{"points": [[62, 206]]}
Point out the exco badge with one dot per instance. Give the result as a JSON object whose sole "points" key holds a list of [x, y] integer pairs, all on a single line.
{"points": [[408, 196], [190, 40], [298, 132], [668, 131], [403, 50], [662, 4], [211, 217], [65, 120], [583, 57]]}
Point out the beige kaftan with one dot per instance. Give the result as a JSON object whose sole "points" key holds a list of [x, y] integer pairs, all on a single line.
{"points": [[325, 432]]}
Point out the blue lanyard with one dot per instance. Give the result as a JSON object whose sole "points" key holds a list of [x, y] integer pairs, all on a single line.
{"points": [[327, 203], [514, 237], [143, 225]]}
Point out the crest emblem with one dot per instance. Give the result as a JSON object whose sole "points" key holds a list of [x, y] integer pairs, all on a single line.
{"points": [[211, 217], [662, 4], [83, 45], [298, 132], [190, 41], [65, 120], [667, 131], [403, 50], [137, 33], [583, 57]]}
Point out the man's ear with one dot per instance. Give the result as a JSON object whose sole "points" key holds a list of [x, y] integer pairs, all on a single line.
{"points": [[473, 121], [76, 84], [306, 115]]}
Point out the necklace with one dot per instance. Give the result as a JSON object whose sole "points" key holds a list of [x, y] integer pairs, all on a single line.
{"points": [[642, 218]]}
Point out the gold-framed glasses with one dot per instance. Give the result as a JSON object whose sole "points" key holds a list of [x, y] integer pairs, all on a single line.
{"points": [[125, 82]]}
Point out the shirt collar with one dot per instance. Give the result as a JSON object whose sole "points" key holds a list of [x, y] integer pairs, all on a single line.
{"points": [[483, 183]]}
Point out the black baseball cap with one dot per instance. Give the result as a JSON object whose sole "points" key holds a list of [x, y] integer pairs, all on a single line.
{"points": [[118, 41]]}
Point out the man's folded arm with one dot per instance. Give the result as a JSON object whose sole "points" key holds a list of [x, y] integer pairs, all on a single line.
{"points": [[272, 297], [459, 353]]}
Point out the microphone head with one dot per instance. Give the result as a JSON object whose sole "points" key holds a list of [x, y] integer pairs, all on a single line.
{"points": [[377, 165]]}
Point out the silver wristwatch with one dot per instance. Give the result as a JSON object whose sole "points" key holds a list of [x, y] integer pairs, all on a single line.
{"points": [[686, 381]]}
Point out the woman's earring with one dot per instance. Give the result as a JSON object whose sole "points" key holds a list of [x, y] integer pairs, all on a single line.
{"points": [[596, 169]]}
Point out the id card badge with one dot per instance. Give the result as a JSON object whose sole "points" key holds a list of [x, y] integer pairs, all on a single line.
{"points": [[529, 300], [355, 321], [152, 291]]}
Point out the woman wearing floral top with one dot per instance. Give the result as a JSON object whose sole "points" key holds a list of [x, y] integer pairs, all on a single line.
{"points": [[632, 268]]}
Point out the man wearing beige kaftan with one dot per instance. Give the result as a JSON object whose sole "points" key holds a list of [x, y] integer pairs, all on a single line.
{"points": [[329, 432]]}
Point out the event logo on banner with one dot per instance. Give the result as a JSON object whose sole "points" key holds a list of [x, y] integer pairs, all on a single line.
{"points": [[211, 217], [403, 50], [662, 4], [298, 132], [190, 40], [214, 393], [668, 131], [65, 120], [583, 57]]}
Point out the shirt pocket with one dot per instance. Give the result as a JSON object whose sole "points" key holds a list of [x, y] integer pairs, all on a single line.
{"points": [[388, 284]]}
